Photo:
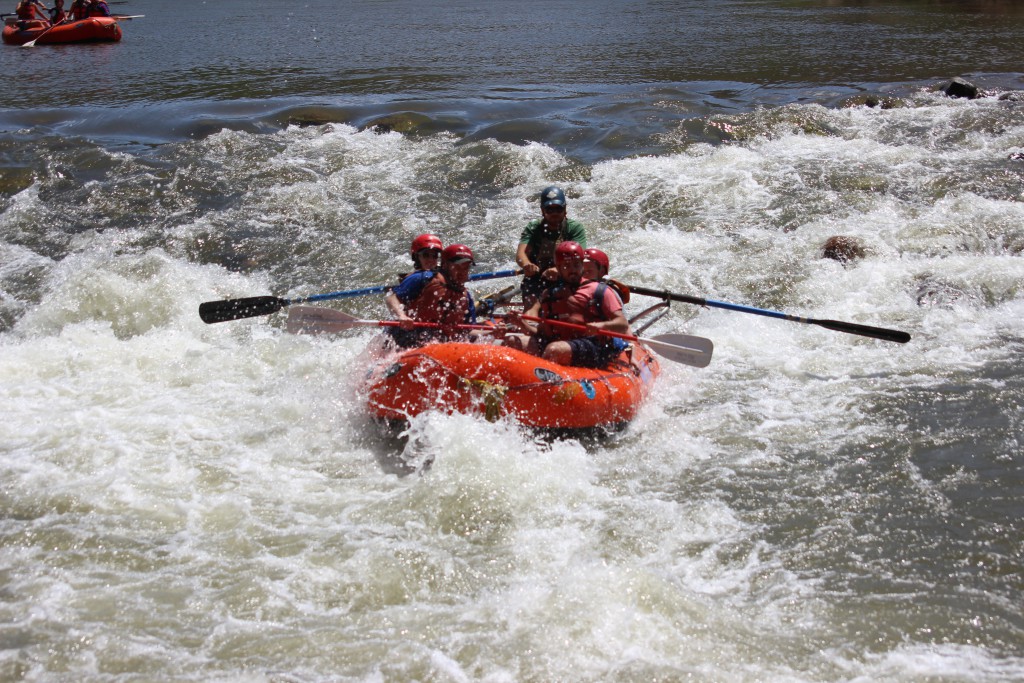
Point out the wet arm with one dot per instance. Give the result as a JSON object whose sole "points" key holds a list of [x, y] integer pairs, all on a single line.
{"points": [[523, 260], [616, 323]]}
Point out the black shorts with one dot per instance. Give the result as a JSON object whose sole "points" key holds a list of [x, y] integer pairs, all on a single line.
{"points": [[410, 339], [595, 352], [589, 352]]}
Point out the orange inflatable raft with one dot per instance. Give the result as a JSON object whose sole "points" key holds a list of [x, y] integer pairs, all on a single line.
{"points": [[93, 29], [497, 382]]}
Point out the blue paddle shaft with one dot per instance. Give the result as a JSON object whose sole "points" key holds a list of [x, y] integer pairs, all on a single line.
{"points": [[897, 336], [365, 291]]}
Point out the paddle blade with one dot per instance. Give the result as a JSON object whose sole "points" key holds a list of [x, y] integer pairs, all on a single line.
{"points": [[233, 309], [865, 330], [682, 348], [317, 320]]}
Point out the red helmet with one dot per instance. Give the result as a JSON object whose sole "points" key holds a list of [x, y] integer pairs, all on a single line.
{"points": [[457, 253], [598, 257], [425, 241], [568, 251]]}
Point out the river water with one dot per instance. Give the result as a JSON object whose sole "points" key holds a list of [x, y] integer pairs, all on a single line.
{"points": [[191, 502]]}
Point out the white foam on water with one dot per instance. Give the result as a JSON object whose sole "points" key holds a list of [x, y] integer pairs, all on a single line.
{"points": [[192, 501]]}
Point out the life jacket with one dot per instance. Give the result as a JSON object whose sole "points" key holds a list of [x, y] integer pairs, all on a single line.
{"points": [[99, 9], [57, 16], [29, 12], [620, 289], [439, 302], [79, 10], [557, 303]]}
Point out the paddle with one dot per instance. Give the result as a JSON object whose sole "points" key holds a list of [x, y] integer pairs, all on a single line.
{"points": [[682, 348], [32, 43], [839, 326], [318, 320], [121, 17], [250, 307], [487, 304]]}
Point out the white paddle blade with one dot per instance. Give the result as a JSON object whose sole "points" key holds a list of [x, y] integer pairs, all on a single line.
{"points": [[683, 348], [318, 320]]}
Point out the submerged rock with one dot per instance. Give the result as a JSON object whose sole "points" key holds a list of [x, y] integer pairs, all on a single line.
{"points": [[958, 87], [14, 179], [873, 100], [406, 122], [842, 248]]}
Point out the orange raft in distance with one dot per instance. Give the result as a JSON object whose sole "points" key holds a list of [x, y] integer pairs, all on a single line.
{"points": [[93, 29], [496, 382]]}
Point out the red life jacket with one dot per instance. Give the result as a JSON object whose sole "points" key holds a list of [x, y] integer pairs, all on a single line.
{"points": [[79, 11], [560, 303], [29, 12], [440, 302], [621, 290]]}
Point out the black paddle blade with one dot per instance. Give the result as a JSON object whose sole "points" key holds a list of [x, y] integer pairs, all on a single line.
{"points": [[233, 309], [897, 336]]}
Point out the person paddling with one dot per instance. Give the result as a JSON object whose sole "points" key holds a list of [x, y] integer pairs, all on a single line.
{"points": [[596, 266], [536, 251], [57, 14], [79, 10], [572, 300], [98, 8], [434, 297], [32, 10], [425, 251]]}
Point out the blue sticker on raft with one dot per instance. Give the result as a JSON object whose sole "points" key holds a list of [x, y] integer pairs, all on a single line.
{"points": [[588, 389]]}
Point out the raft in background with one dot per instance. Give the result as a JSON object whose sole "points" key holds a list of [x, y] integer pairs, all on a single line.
{"points": [[90, 30]]}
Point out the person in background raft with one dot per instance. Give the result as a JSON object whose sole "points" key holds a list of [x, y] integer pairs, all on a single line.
{"points": [[98, 8], [32, 10], [79, 10], [57, 14], [434, 297], [574, 300], [596, 266], [536, 251]]}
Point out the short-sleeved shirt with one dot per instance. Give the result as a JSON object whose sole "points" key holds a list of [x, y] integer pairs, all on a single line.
{"points": [[582, 299], [541, 242], [593, 351]]}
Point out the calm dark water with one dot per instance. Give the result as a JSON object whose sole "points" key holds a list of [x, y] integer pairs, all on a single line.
{"points": [[192, 502], [520, 70]]}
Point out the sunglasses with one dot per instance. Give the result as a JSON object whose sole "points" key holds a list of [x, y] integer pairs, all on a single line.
{"points": [[436, 253], [554, 209]]}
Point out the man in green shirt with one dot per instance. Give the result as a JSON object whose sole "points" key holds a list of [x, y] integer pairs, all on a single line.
{"points": [[536, 252]]}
